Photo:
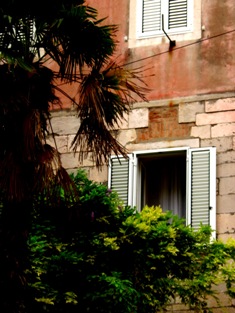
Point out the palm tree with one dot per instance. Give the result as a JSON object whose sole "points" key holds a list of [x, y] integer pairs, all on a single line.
{"points": [[68, 34]]}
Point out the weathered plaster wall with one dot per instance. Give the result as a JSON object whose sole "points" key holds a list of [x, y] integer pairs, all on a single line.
{"points": [[193, 67]]}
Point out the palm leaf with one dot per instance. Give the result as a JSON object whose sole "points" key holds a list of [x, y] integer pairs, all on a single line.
{"points": [[105, 95], [77, 39], [71, 35]]}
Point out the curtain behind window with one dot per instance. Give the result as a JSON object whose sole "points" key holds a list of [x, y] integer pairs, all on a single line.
{"points": [[165, 183]]}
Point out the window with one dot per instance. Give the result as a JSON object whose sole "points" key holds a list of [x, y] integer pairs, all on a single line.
{"points": [[181, 180], [181, 19], [174, 16]]}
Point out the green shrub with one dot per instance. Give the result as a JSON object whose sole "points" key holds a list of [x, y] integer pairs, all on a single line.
{"points": [[110, 258]]}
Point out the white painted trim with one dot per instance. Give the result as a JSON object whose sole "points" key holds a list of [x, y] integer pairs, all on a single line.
{"points": [[109, 172], [188, 187], [213, 190], [136, 186], [159, 150], [131, 182]]}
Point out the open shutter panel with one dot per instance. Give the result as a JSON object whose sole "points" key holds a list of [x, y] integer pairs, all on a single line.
{"points": [[200, 188], [119, 177], [178, 12], [151, 16]]}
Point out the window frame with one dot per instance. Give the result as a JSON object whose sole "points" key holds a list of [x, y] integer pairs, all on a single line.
{"points": [[135, 39], [134, 192]]}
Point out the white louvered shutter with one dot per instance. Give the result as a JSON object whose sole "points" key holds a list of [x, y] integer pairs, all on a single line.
{"points": [[203, 187], [178, 14], [151, 16], [119, 177]]}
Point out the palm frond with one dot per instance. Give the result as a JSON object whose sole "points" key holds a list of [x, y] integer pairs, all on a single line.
{"points": [[105, 96], [51, 177], [69, 33], [24, 114], [78, 38], [13, 178], [44, 175], [72, 36]]}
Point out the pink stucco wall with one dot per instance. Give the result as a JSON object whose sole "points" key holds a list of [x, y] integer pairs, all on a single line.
{"points": [[193, 67]]}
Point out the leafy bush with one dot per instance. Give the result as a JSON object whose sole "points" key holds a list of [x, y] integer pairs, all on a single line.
{"points": [[110, 258]]}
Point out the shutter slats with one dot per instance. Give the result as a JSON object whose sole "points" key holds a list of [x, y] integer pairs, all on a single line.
{"points": [[151, 15], [120, 177], [177, 14], [200, 188], [176, 11]]}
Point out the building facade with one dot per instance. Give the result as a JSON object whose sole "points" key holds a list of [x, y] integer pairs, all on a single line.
{"points": [[186, 49], [181, 141]]}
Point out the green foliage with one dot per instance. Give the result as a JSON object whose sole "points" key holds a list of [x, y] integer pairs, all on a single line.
{"points": [[112, 258]]}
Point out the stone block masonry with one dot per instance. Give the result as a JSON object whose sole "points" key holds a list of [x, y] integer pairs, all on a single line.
{"points": [[196, 121], [200, 121]]}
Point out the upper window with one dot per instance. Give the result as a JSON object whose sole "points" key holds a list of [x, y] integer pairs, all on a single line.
{"points": [[179, 180], [173, 16], [151, 19]]}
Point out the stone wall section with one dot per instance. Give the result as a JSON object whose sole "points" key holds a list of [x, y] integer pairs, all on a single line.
{"points": [[196, 121], [218, 125]]}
